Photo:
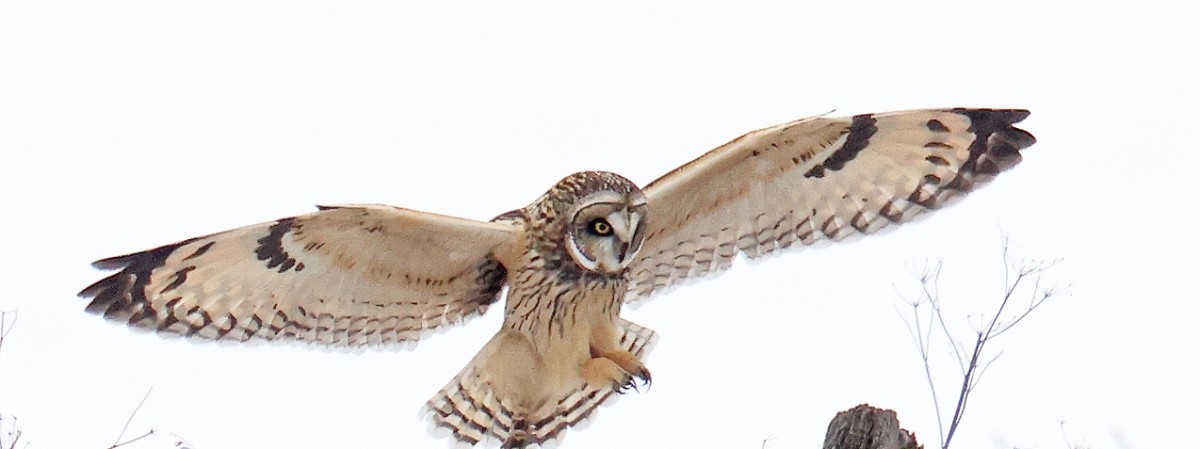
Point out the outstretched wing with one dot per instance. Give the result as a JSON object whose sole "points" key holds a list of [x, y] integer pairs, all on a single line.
{"points": [[344, 276], [816, 178]]}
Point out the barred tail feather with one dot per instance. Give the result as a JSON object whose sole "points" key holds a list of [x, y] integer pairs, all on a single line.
{"points": [[635, 338], [478, 405], [471, 412]]}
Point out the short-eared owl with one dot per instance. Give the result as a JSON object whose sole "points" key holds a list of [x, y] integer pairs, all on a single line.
{"points": [[373, 275]]}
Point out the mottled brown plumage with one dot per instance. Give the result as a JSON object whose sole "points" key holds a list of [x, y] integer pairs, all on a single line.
{"points": [[354, 276]]}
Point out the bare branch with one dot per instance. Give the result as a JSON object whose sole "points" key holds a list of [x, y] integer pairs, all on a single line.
{"points": [[13, 433], [118, 442], [1062, 427], [180, 442], [16, 436], [922, 338], [132, 440], [6, 325], [765, 440], [973, 364], [983, 369]]}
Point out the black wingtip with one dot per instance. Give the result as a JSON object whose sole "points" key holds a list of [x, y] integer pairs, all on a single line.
{"points": [[114, 263], [98, 287], [151, 257], [998, 144], [117, 295], [110, 295]]}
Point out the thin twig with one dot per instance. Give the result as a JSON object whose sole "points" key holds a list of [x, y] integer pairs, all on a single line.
{"points": [[132, 440], [7, 326], [765, 440], [937, 408], [180, 442], [1062, 428], [12, 432], [118, 442], [934, 309], [923, 336]]}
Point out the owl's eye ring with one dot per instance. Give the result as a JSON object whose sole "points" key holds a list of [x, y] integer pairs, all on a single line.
{"points": [[600, 227]]}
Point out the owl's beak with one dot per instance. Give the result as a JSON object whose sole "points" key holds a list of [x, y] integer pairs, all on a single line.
{"points": [[624, 225]]}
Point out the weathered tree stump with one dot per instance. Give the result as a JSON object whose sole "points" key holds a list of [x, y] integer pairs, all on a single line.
{"points": [[867, 427]]}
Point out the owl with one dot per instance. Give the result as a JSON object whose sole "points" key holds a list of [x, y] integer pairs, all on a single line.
{"points": [[565, 265]]}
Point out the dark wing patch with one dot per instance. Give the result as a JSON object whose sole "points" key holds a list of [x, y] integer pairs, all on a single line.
{"points": [[862, 127]]}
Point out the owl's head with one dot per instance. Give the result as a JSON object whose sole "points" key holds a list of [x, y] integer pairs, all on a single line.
{"points": [[604, 220]]}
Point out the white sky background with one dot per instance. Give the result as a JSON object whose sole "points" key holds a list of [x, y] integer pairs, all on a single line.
{"points": [[125, 125]]}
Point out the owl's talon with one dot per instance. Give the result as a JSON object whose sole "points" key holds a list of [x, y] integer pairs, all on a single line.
{"points": [[644, 375], [631, 381], [601, 371], [624, 387]]}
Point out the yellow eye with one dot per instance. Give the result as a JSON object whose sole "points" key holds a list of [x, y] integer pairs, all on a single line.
{"points": [[600, 227]]}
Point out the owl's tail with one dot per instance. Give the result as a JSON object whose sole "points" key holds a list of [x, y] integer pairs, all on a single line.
{"points": [[480, 405]]}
